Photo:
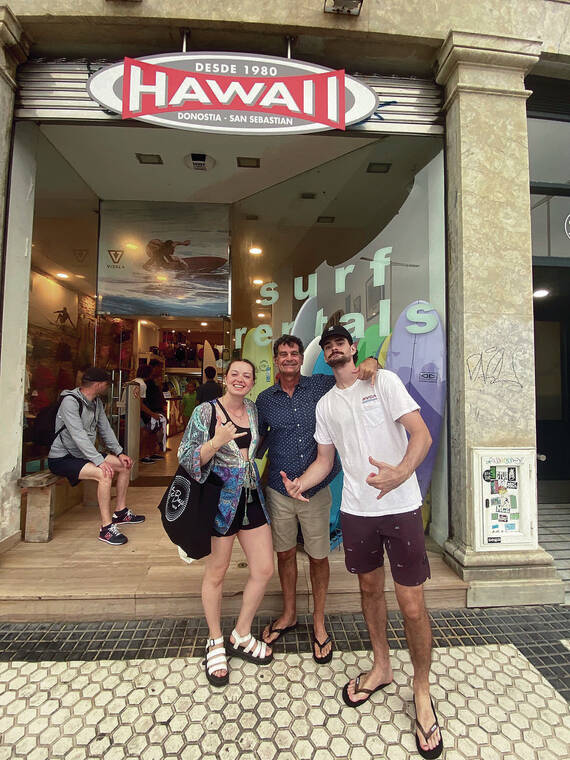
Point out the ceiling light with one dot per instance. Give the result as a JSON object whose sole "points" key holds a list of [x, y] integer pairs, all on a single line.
{"points": [[258, 282], [149, 158], [261, 314], [258, 300], [187, 330], [62, 276], [375, 167], [345, 7], [255, 250], [144, 322], [541, 293], [325, 219], [248, 162], [308, 196], [204, 324], [173, 331]]}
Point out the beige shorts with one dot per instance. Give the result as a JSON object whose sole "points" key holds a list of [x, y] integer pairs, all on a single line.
{"points": [[313, 516]]}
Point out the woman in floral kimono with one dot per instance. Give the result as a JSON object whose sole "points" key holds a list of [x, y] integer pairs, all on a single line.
{"points": [[241, 512]]}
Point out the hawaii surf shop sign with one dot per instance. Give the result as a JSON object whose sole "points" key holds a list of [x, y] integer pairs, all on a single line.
{"points": [[232, 93]]}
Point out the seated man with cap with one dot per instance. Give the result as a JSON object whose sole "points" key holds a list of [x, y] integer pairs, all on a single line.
{"points": [[80, 417]]}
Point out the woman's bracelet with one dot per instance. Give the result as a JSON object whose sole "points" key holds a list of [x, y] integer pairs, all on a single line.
{"points": [[214, 449]]}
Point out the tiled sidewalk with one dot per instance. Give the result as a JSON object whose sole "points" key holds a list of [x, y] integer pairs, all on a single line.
{"points": [[137, 690]]}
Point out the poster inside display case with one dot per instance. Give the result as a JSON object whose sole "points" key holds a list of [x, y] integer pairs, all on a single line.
{"points": [[504, 498]]}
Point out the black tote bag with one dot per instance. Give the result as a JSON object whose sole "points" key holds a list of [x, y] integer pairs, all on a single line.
{"points": [[188, 508]]}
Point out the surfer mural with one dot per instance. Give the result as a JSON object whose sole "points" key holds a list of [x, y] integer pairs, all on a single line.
{"points": [[163, 259]]}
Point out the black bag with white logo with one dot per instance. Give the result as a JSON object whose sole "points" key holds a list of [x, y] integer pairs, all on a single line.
{"points": [[188, 508]]}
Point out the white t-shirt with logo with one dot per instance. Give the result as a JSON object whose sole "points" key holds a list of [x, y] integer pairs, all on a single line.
{"points": [[361, 421]]}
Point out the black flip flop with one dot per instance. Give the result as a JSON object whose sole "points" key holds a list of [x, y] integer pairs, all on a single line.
{"points": [[327, 657], [357, 688], [279, 631], [429, 754]]}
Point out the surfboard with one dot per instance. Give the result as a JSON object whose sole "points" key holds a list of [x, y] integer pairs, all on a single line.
{"points": [[304, 324], [310, 356], [383, 353], [416, 353], [322, 368], [262, 358], [370, 343], [208, 359]]}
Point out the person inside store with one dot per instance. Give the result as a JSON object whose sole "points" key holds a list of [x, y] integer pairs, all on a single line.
{"points": [[155, 419], [188, 401], [230, 454], [380, 429], [287, 423], [80, 419], [209, 390], [148, 441]]}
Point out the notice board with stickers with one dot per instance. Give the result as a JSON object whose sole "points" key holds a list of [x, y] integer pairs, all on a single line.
{"points": [[504, 496]]}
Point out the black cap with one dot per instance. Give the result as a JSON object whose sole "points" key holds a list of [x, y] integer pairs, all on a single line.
{"points": [[335, 331], [96, 375]]}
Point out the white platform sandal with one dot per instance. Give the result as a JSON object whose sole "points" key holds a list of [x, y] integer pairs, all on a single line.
{"points": [[252, 649], [215, 661]]}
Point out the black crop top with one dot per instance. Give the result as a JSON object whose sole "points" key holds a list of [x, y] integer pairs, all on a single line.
{"points": [[244, 441]]}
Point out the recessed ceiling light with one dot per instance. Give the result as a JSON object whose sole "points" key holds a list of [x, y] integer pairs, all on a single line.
{"points": [[204, 324], [187, 330], [541, 293], [144, 322], [308, 196], [258, 300], [149, 158], [261, 314], [248, 162], [255, 250], [62, 276], [257, 281], [325, 219], [345, 7], [378, 168]]}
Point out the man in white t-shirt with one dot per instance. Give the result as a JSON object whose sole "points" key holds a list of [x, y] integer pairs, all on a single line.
{"points": [[380, 510]]}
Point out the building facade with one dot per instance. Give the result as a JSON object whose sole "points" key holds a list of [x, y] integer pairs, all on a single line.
{"points": [[476, 57]]}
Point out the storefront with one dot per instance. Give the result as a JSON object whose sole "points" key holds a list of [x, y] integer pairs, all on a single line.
{"points": [[347, 224]]}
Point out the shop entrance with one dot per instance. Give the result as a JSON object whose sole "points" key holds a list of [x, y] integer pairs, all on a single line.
{"points": [[314, 230]]}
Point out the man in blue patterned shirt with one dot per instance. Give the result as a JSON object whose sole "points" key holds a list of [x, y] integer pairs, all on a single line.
{"points": [[287, 417]]}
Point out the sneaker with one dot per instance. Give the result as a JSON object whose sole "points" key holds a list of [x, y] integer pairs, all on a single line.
{"points": [[147, 460], [110, 534], [126, 517]]}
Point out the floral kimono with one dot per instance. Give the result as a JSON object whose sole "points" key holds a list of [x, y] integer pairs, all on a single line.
{"points": [[228, 463]]}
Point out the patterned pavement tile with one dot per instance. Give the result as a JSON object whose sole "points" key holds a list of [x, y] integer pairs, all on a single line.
{"points": [[493, 704]]}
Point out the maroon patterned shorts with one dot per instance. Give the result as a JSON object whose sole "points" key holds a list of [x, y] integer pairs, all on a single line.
{"points": [[403, 537]]}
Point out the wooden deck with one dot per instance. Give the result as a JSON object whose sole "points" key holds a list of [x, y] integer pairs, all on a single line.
{"points": [[77, 577]]}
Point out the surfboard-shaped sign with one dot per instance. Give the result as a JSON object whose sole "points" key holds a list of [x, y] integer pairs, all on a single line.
{"points": [[417, 355], [232, 93]]}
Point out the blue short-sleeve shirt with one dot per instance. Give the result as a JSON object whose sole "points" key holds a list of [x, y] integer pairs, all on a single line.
{"points": [[291, 422]]}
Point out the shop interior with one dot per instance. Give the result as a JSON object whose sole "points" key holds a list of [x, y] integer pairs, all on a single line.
{"points": [[267, 224]]}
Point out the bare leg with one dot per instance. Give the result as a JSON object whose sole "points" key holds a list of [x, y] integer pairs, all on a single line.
{"points": [[104, 482], [320, 574], [212, 582], [374, 610], [418, 635], [123, 479], [287, 567], [258, 549]]}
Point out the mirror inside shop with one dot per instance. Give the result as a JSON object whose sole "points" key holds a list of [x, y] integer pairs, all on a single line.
{"points": [[159, 255]]}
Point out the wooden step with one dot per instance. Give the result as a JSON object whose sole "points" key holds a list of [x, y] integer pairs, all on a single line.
{"points": [[77, 577]]}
